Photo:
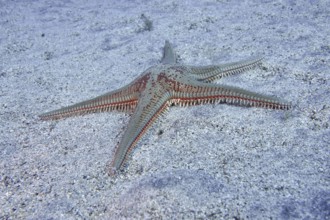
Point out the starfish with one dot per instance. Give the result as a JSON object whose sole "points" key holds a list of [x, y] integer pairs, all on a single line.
{"points": [[152, 93]]}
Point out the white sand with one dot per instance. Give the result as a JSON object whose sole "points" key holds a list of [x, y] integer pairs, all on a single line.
{"points": [[215, 162]]}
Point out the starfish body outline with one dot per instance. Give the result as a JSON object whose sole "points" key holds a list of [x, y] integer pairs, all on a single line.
{"points": [[152, 93]]}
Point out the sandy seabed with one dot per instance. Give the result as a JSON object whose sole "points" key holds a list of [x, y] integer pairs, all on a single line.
{"points": [[206, 162]]}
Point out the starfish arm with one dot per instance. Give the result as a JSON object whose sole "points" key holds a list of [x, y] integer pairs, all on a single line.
{"points": [[168, 54], [201, 93], [214, 72], [146, 113], [123, 99]]}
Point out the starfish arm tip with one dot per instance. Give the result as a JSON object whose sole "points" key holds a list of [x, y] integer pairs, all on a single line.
{"points": [[112, 171]]}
